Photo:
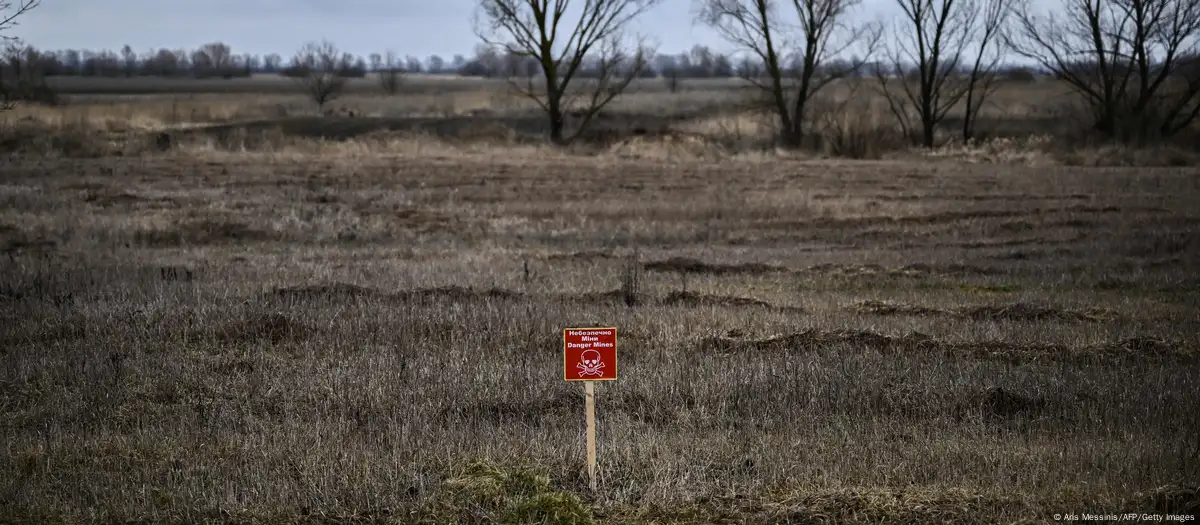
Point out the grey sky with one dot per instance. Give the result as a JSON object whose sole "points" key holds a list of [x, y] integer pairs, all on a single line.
{"points": [[409, 27]]}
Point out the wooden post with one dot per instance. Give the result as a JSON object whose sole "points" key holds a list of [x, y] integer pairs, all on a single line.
{"points": [[589, 390]]}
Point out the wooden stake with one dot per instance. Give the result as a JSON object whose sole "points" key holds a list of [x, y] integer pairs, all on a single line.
{"points": [[589, 390]]}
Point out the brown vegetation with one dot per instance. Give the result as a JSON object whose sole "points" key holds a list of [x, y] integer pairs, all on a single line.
{"points": [[369, 331]]}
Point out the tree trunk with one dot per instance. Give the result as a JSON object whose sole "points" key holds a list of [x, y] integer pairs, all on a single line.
{"points": [[555, 114], [927, 117], [968, 116], [556, 123]]}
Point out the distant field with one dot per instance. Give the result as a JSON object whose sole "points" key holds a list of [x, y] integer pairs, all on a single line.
{"points": [[276, 83]]}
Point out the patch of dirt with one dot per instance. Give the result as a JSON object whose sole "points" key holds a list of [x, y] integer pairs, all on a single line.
{"points": [[202, 233], [689, 265], [815, 340]]}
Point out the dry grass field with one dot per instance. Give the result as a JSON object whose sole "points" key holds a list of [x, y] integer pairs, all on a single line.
{"points": [[263, 327]]}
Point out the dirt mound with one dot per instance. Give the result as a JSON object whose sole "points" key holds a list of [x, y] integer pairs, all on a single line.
{"points": [[1143, 346], [273, 327], [580, 256], [324, 292], [342, 291], [456, 293], [1028, 312], [815, 340], [689, 265], [611, 296], [1008, 312], [695, 299]]}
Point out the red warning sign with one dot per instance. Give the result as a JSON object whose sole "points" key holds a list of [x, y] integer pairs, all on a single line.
{"points": [[590, 354]]}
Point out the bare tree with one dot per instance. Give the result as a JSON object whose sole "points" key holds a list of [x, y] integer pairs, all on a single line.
{"points": [[812, 31], [535, 28], [928, 44], [1133, 63], [989, 42], [8, 18], [213, 59], [391, 74], [318, 69]]}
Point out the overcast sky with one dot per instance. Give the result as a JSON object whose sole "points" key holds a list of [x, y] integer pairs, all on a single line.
{"points": [[409, 27]]}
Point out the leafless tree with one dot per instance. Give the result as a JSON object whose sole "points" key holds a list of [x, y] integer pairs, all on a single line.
{"points": [[213, 59], [9, 12], [319, 67], [1133, 63], [989, 24], [390, 74], [814, 32], [538, 29], [927, 48]]}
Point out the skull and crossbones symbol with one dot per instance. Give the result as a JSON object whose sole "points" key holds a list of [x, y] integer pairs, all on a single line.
{"points": [[589, 364]]}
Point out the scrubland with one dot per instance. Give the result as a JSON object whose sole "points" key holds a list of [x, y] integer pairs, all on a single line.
{"points": [[280, 317]]}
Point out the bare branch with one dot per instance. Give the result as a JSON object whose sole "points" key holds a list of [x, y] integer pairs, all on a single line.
{"points": [[536, 29], [319, 69], [820, 32], [1122, 59], [9, 20], [932, 37]]}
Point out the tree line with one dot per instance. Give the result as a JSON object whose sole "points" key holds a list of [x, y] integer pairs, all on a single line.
{"points": [[1133, 66], [218, 60]]}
